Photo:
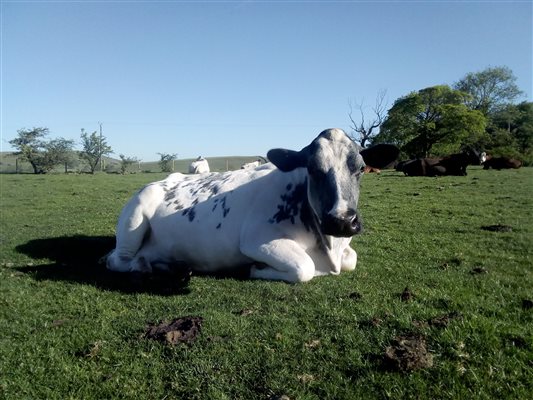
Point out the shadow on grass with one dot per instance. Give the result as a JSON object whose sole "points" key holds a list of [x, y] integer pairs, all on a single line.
{"points": [[76, 259]]}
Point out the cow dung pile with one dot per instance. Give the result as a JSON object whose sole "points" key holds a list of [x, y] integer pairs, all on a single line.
{"points": [[497, 228], [179, 330], [407, 353]]}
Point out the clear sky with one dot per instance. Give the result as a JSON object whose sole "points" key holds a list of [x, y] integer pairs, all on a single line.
{"points": [[220, 78]]}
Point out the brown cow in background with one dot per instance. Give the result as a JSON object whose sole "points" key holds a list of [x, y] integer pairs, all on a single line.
{"points": [[501, 163], [454, 164]]}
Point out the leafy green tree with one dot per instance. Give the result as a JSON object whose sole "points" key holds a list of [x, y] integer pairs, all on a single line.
{"points": [[94, 148], [125, 162], [511, 131], [432, 120], [489, 89], [59, 151], [165, 163], [43, 155]]}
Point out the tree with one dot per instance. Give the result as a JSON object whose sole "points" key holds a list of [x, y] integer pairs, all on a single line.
{"points": [[511, 130], [165, 163], [434, 119], [367, 130], [59, 151], [42, 154], [94, 148], [125, 162], [489, 89]]}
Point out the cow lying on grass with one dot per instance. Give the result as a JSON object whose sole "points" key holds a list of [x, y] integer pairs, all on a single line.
{"points": [[454, 164], [199, 166], [501, 163], [291, 219]]}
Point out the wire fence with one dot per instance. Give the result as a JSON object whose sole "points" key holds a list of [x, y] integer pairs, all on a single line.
{"points": [[12, 164]]}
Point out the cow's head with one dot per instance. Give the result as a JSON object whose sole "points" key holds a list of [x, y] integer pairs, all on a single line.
{"points": [[334, 164], [473, 156]]}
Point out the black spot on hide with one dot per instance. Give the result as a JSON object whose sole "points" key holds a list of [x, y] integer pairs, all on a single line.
{"points": [[177, 205], [190, 212], [169, 195], [225, 209], [291, 204]]}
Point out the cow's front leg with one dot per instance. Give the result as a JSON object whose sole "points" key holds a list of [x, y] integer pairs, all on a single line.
{"points": [[285, 261], [349, 259]]}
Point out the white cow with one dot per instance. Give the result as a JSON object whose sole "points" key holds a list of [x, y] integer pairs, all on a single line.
{"points": [[199, 166], [251, 165], [291, 219]]}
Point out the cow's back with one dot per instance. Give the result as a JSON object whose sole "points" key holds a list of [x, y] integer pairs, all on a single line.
{"points": [[199, 219]]}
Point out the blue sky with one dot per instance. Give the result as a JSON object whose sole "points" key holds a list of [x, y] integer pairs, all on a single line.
{"points": [[238, 77]]}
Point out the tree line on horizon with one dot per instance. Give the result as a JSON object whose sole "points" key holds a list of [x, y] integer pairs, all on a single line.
{"points": [[478, 111], [46, 154]]}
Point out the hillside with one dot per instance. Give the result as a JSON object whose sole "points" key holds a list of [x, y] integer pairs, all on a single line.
{"points": [[8, 164]]}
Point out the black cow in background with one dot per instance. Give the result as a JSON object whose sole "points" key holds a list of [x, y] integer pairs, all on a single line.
{"points": [[454, 164]]}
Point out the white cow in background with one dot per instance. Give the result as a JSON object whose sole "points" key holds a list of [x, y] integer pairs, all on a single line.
{"points": [[291, 219], [251, 165], [200, 166]]}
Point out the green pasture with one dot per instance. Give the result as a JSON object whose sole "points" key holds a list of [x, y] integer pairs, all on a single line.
{"points": [[427, 270]]}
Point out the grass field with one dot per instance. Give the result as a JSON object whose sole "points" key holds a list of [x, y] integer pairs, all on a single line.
{"points": [[69, 329]]}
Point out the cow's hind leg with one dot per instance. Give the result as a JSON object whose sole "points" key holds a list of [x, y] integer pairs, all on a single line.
{"points": [[283, 259], [133, 229]]}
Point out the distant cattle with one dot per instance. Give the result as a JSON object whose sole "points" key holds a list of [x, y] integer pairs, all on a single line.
{"points": [[501, 163], [251, 165], [290, 219], [369, 169], [200, 166], [454, 164]]}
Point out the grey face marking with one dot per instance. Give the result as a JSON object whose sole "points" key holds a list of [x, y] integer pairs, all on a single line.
{"points": [[334, 168]]}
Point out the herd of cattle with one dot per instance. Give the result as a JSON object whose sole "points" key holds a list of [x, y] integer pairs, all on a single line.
{"points": [[454, 164], [290, 219]]}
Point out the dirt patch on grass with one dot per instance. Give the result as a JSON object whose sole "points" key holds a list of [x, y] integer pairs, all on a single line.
{"points": [[407, 295], [356, 296], [497, 228], [179, 330], [527, 304], [407, 353], [478, 271]]}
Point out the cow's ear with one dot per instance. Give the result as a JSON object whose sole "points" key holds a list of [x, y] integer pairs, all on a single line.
{"points": [[381, 155], [287, 160]]}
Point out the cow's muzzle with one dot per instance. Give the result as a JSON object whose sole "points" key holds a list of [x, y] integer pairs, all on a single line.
{"points": [[345, 225]]}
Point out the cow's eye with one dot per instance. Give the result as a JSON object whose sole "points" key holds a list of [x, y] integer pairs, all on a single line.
{"points": [[352, 165], [362, 169]]}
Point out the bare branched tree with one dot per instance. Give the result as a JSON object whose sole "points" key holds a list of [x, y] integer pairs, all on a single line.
{"points": [[364, 131]]}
